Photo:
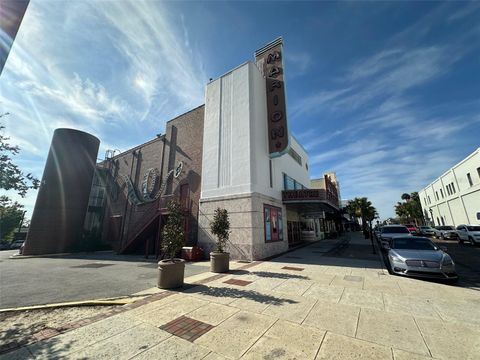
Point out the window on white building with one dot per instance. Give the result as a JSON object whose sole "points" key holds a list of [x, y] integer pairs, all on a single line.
{"points": [[469, 179], [436, 195], [478, 171], [295, 156], [453, 188], [441, 193]]}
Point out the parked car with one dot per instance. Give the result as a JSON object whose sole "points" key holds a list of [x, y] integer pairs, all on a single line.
{"points": [[419, 257], [388, 232], [377, 231], [16, 244], [445, 232], [412, 228], [426, 231], [470, 233]]}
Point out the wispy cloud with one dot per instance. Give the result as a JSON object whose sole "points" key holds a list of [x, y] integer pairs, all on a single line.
{"points": [[119, 71]]}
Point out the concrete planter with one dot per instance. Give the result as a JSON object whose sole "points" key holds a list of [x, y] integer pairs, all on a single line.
{"points": [[171, 273], [219, 262]]}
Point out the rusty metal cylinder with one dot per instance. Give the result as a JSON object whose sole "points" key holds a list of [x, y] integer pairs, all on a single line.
{"points": [[62, 200]]}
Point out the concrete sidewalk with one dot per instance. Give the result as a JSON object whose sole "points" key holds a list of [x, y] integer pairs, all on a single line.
{"points": [[303, 305]]}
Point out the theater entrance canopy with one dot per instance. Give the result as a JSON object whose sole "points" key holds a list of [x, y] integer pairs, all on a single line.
{"points": [[310, 201]]}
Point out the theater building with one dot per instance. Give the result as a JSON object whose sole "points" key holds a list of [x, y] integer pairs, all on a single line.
{"points": [[234, 152]]}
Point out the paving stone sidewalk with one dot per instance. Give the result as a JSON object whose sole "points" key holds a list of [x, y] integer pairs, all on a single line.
{"points": [[303, 305]]}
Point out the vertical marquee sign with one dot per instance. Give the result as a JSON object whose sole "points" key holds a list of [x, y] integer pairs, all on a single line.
{"points": [[269, 60]]}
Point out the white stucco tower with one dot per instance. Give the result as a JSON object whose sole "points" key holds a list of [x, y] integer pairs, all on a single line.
{"points": [[237, 171]]}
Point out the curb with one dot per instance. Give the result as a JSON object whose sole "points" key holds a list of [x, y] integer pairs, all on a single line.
{"points": [[123, 300], [18, 256]]}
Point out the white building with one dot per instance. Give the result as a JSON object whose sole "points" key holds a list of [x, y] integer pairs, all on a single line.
{"points": [[266, 196], [454, 198]]}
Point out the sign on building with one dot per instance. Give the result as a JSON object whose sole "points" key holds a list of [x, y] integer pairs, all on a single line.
{"points": [[269, 60]]}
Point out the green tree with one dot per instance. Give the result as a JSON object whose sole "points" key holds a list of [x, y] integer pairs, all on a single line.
{"points": [[11, 177], [220, 227], [11, 214], [173, 234], [361, 208], [411, 210]]}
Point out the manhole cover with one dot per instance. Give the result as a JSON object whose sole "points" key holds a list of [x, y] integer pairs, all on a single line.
{"points": [[91, 266]]}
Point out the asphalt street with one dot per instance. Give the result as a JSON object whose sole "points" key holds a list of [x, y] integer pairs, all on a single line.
{"points": [[40, 280], [467, 261]]}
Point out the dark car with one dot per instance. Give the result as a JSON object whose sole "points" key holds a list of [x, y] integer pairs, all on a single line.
{"points": [[419, 257], [388, 232]]}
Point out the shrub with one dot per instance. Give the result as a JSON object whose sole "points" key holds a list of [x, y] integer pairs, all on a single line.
{"points": [[173, 237], [220, 227]]}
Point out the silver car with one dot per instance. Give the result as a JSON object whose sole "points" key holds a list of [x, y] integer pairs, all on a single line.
{"points": [[426, 231], [445, 232], [419, 257]]}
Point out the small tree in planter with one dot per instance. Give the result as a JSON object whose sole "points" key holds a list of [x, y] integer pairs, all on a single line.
{"points": [[220, 227], [172, 269]]}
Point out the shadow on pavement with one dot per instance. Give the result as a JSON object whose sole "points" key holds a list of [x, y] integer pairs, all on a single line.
{"points": [[238, 294], [18, 335], [273, 275]]}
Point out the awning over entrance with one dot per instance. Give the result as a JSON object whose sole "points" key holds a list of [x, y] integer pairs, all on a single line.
{"points": [[310, 201]]}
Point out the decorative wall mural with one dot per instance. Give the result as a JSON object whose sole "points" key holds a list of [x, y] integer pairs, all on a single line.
{"points": [[149, 183]]}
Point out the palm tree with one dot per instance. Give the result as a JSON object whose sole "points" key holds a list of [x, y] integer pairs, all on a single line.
{"points": [[361, 208]]}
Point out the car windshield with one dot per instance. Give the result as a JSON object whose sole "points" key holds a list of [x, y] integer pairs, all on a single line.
{"points": [[445, 227], [413, 244], [424, 227], [473, 228], [395, 230]]}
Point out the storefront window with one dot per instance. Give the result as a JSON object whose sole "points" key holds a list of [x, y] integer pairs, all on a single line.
{"points": [[273, 223]]}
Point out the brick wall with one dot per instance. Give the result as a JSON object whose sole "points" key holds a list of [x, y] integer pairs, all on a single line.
{"points": [[182, 142]]}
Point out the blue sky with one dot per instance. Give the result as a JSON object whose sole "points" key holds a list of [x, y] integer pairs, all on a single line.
{"points": [[387, 94]]}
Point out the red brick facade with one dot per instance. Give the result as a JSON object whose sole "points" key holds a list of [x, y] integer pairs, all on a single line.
{"points": [[131, 228]]}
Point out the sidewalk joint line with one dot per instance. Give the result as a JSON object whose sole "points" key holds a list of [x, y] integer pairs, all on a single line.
{"points": [[259, 337], [309, 311], [321, 343], [421, 334], [341, 296], [358, 322]]}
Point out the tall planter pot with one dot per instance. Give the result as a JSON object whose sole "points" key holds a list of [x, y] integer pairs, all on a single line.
{"points": [[171, 273], [219, 262]]}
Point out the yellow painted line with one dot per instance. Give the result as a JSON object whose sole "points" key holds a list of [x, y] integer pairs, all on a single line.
{"points": [[18, 256], [96, 302]]}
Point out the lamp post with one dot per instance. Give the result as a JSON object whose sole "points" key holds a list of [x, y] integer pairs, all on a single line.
{"points": [[431, 217]]}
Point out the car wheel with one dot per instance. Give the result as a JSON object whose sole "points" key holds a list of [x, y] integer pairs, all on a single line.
{"points": [[460, 241], [471, 240], [442, 237]]}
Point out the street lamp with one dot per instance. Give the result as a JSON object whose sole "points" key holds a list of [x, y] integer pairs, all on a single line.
{"points": [[431, 216]]}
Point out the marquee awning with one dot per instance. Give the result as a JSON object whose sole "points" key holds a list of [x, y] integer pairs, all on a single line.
{"points": [[309, 201]]}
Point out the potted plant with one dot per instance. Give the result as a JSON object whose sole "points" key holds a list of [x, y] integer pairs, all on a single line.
{"points": [[172, 269], [220, 227]]}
